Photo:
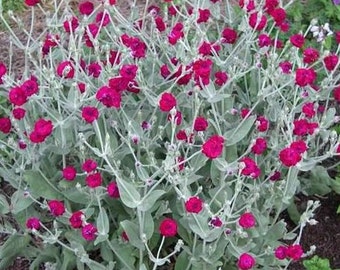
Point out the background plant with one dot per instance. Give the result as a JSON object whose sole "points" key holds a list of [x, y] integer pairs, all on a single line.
{"points": [[316, 263], [322, 12], [132, 144]]}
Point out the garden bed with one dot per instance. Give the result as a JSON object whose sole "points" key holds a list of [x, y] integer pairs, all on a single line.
{"points": [[325, 235]]}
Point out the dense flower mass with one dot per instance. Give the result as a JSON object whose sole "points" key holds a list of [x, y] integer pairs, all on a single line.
{"points": [[257, 21], [42, 129], [33, 223], [71, 25], [19, 113], [17, 96], [294, 252], [305, 76], [331, 61], [69, 173], [289, 156], [259, 146], [194, 205], [247, 220], [3, 71], [109, 97], [89, 114], [249, 167], [309, 109], [262, 124], [281, 252], [30, 86], [166, 133], [76, 219], [310, 55], [200, 124], [32, 3], [89, 165], [213, 147], [297, 40], [93, 180], [229, 35], [89, 232], [246, 262], [56, 207], [86, 8], [5, 125], [167, 102], [168, 227], [112, 190], [336, 93], [66, 70]]}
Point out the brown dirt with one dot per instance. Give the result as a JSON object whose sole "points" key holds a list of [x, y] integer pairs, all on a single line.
{"points": [[325, 235]]}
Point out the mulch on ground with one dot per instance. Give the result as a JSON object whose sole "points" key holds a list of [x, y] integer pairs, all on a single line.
{"points": [[325, 235]]}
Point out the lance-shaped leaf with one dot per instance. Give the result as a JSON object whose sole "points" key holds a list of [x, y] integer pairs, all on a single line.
{"points": [[128, 193], [236, 134]]}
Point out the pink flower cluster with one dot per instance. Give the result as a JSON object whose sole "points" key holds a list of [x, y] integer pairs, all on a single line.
{"points": [[293, 252]]}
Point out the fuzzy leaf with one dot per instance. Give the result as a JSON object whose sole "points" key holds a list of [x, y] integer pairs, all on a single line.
{"points": [[306, 165], [20, 202], [75, 196], [100, 238], [199, 225], [40, 186], [294, 213], [142, 173], [182, 261], [319, 182], [221, 164], [149, 225], [68, 259], [150, 200], [335, 184], [103, 224], [105, 252], [197, 162], [132, 232], [93, 265], [124, 255], [10, 177], [4, 206], [276, 231], [128, 193], [236, 134], [328, 119], [14, 245], [217, 249], [47, 255], [142, 267]]}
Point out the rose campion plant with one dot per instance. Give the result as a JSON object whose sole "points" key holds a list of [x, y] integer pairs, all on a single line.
{"points": [[174, 136]]}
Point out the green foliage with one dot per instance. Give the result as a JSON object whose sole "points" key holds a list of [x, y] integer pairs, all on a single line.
{"points": [[14, 5], [303, 12], [143, 163], [317, 263], [13, 247]]}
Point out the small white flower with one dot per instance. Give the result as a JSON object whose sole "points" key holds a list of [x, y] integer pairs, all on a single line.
{"points": [[326, 27], [320, 32], [313, 221]]}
